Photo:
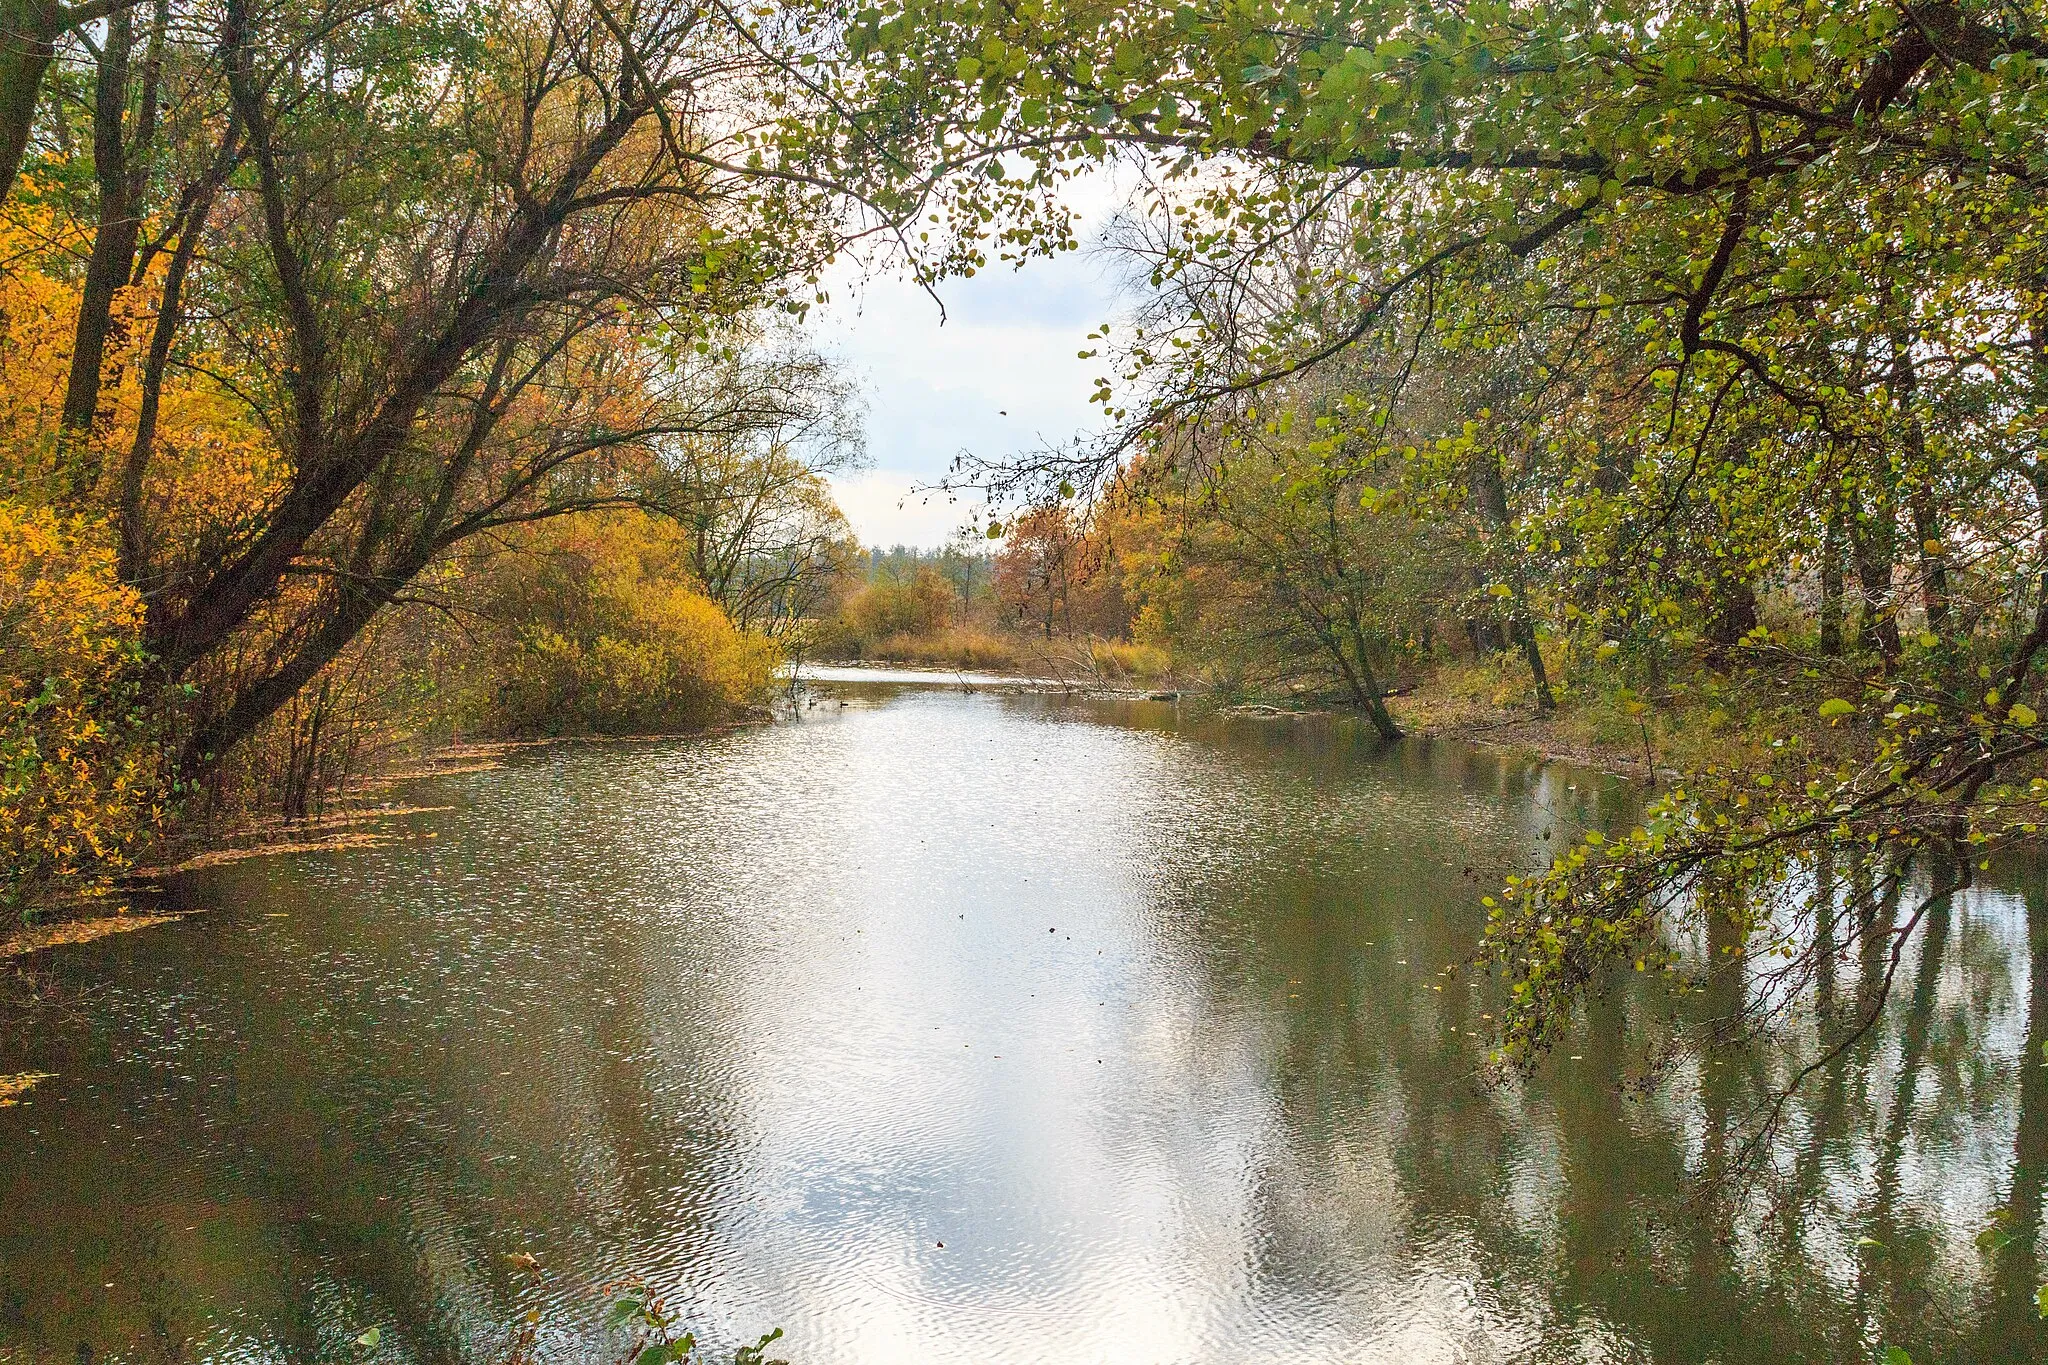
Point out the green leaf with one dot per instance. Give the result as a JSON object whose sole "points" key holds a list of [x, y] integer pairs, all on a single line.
{"points": [[2041, 1301], [1894, 1355], [368, 1340], [1835, 706], [756, 1354]]}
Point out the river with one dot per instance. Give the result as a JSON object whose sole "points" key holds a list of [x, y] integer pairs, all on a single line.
{"points": [[948, 1025]]}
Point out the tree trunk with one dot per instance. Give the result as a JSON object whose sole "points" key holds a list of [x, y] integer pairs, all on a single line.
{"points": [[28, 40], [1831, 588], [361, 600], [335, 464], [1876, 544], [1934, 596], [1905, 385], [198, 208], [1364, 683], [1489, 491], [2037, 467], [112, 258], [1525, 635], [1734, 612]]}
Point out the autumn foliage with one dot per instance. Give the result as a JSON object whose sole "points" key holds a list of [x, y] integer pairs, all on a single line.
{"points": [[596, 627], [80, 781]]}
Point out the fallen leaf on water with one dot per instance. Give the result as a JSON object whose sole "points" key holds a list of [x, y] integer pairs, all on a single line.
{"points": [[76, 931], [20, 1083], [216, 857]]}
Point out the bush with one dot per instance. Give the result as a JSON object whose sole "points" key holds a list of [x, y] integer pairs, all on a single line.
{"points": [[602, 632], [915, 608], [81, 777]]}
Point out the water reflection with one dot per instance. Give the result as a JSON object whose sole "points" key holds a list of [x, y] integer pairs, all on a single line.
{"points": [[952, 1027]]}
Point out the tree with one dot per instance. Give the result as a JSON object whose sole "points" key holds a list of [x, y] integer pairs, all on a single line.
{"points": [[1772, 278], [29, 33], [460, 272], [1039, 566], [767, 541]]}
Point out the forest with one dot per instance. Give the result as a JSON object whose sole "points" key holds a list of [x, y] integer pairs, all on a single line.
{"points": [[1668, 381]]}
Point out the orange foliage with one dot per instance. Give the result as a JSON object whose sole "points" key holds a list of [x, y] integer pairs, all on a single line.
{"points": [[80, 788], [604, 632], [211, 465], [37, 310]]}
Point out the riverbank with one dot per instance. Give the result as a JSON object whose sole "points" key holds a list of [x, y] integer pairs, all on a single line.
{"points": [[1118, 663], [1483, 704], [1580, 731], [1563, 736]]}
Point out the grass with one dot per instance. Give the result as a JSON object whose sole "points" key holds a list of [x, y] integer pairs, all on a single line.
{"points": [[1698, 716], [1110, 661], [955, 647], [1121, 660]]}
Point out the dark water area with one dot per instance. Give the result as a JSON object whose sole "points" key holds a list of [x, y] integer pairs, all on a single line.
{"points": [[948, 1027]]}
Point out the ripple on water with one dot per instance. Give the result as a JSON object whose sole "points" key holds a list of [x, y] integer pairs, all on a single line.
{"points": [[944, 1028]]}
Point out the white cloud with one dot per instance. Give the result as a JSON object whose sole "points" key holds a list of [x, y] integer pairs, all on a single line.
{"points": [[884, 511], [998, 376]]}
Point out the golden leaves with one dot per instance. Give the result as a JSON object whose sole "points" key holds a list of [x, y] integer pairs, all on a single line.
{"points": [[65, 933], [13, 1087]]}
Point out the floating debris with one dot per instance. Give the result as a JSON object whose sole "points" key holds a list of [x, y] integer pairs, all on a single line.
{"points": [[13, 1087], [66, 932], [218, 856]]}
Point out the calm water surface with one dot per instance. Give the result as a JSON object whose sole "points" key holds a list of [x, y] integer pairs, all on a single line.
{"points": [[942, 1027]]}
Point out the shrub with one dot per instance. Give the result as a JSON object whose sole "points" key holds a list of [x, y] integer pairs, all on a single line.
{"points": [[81, 777], [914, 608], [603, 632]]}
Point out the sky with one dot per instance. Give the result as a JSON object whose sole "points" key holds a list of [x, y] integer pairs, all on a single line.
{"points": [[998, 375]]}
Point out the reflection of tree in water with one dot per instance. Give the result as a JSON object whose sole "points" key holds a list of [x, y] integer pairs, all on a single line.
{"points": [[1887, 1143], [2009, 1313], [350, 1174]]}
